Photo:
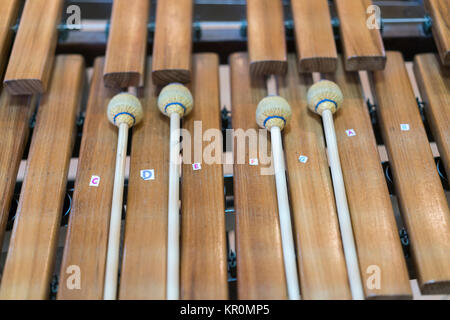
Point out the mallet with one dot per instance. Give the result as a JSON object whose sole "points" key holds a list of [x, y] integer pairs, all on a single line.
{"points": [[175, 101], [324, 98], [124, 111], [274, 113]]}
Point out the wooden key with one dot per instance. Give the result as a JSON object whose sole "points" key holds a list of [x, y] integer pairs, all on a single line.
{"points": [[363, 47], [32, 55], [321, 263], [314, 37], [143, 274], [8, 17], [434, 85], [31, 254], [127, 44], [439, 11], [266, 37], [422, 200], [374, 226], [172, 50], [259, 256], [15, 114], [87, 235], [203, 243]]}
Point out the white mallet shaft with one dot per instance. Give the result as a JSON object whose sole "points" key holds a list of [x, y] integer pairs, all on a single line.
{"points": [[173, 234], [348, 242], [287, 239], [112, 258]]}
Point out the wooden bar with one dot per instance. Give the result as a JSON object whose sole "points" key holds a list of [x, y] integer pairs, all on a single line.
{"points": [[363, 47], [87, 233], [439, 10], [374, 226], [321, 262], [203, 243], [266, 37], [421, 197], [172, 49], [30, 260], [260, 269], [15, 114], [314, 37], [33, 52], [127, 44], [8, 17], [143, 274], [434, 85]]}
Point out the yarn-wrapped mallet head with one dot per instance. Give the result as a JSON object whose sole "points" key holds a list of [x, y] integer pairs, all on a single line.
{"points": [[175, 98], [273, 111], [125, 108], [324, 95]]}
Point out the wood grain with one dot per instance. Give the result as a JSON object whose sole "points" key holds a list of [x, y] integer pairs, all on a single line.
{"points": [[266, 37], [434, 84], [8, 17], [322, 269], [363, 47], [314, 37], [143, 274], [374, 226], [203, 242], [260, 270], [30, 260], [87, 234], [439, 10], [172, 49], [422, 200], [127, 44], [32, 55], [15, 114]]}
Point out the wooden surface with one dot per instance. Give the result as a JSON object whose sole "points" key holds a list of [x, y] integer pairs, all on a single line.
{"points": [[439, 10], [127, 44], [314, 36], [203, 243], [434, 85], [363, 47], [172, 49], [266, 37], [32, 56], [374, 227], [87, 234], [321, 262], [260, 270], [15, 114], [8, 17], [30, 260], [421, 197], [143, 274]]}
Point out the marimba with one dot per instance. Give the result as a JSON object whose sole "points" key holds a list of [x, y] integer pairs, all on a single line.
{"points": [[58, 157]]}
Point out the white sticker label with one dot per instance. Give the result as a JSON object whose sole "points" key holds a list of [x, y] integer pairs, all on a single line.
{"points": [[350, 132], [196, 166], [148, 174], [95, 181], [303, 159], [253, 162], [404, 127]]}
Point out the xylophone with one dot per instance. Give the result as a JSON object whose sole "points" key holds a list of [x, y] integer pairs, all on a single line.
{"points": [[289, 166]]}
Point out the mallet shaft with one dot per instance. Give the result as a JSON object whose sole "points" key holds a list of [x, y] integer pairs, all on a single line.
{"points": [[345, 223], [112, 259], [173, 235], [287, 238]]}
